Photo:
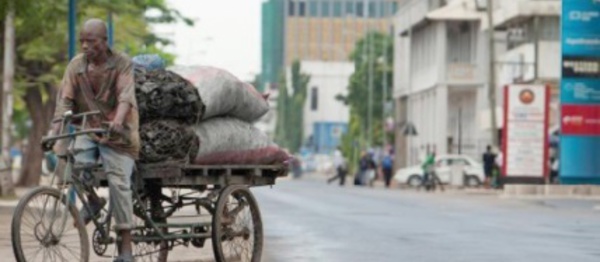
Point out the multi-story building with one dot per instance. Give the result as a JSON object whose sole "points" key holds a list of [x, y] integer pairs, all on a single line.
{"points": [[318, 30], [321, 34], [442, 68], [533, 52], [440, 78]]}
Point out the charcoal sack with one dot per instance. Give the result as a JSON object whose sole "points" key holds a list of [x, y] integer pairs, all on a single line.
{"points": [[166, 140], [225, 95], [162, 94], [230, 141]]}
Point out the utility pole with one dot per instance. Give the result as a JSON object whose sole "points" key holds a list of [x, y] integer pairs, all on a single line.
{"points": [[7, 100], [385, 84], [370, 79], [492, 72]]}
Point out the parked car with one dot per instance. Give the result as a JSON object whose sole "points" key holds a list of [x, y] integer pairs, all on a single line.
{"points": [[472, 170]]}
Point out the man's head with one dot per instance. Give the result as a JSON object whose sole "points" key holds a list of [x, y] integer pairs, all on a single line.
{"points": [[489, 148], [93, 38]]}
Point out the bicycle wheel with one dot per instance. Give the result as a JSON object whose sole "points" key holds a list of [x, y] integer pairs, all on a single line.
{"points": [[237, 232], [148, 251], [41, 230]]}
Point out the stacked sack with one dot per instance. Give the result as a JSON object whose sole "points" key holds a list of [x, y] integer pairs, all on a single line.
{"points": [[209, 109], [168, 107]]}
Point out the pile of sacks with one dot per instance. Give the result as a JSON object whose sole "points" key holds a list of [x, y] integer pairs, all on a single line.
{"points": [[204, 117]]}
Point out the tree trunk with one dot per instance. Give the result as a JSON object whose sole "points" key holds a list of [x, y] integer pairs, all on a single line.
{"points": [[41, 114], [6, 185]]}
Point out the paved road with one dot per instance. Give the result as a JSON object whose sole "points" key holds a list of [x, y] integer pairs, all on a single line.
{"points": [[310, 221]]}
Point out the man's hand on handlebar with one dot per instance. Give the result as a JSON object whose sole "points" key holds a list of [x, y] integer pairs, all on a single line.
{"points": [[48, 145]]}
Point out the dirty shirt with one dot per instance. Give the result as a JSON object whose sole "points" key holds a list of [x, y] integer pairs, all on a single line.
{"points": [[110, 85]]}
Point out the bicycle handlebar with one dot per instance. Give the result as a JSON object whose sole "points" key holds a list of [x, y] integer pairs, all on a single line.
{"points": [[98, 131], [75, 116]]}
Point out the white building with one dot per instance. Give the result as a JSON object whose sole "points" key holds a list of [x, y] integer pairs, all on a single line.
{"points": [[440, 78], [442, 68], [533, 45], [325, 118]]}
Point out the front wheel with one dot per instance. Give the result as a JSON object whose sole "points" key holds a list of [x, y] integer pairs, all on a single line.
{"points": [[46, 228], [237, 232]]}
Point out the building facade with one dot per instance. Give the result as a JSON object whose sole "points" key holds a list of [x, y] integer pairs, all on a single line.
{"points": [[325, 118], [441, 75], [322, 35], [440, 78]]}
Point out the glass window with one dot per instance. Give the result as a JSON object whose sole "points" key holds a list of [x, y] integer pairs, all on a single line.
{"points": [[302, 8], [460, 161], [350, 7], [313, 8], [372, 9], [394, 7], [360, 9], [292, 8], [325, 8], [383, 9], [337, 9]]}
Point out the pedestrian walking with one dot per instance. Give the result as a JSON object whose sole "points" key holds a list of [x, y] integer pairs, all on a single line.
{"points": [[366, 169], [489, 163], [341, 167], [387, 165]]}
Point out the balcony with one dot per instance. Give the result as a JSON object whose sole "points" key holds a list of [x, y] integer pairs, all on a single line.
{"points": [[463, 74]]}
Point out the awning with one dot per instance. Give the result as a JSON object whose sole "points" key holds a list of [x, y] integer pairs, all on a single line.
{"points": [[458, 10]]}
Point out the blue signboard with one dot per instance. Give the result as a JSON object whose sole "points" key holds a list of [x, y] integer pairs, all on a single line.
{"points": [[580, 92]]}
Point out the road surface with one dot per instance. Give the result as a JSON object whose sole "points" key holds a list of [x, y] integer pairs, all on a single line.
{"points": [[311, 221]]}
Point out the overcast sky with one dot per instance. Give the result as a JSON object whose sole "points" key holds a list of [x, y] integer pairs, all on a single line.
{"points": [[226, 35]]}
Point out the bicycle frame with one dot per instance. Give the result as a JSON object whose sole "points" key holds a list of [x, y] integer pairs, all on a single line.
{"points": [[75, 185]]}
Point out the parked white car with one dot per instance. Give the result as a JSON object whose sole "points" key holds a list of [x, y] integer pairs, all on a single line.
{"points": [[472, 170]]}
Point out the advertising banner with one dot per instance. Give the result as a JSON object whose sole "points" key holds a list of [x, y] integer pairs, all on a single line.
{"points": [[525, 138], [580, 93]]}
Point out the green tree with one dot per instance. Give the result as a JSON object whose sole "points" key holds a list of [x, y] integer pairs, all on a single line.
{"points": [[375, 48], [42, 56], [290, 109]]}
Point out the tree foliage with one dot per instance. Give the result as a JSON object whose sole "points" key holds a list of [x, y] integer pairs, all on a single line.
{"points": [[290, 109], [41, 56], [375, 48]]}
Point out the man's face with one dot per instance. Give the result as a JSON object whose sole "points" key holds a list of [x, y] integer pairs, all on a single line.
{"points": [[92, 44]]}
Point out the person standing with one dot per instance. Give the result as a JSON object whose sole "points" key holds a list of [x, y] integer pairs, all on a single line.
{"points": [[489, 163], [341, 168], [387, 165]]}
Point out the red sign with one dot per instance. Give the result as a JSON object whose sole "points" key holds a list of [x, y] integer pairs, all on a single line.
{"points": [[581, 120]]}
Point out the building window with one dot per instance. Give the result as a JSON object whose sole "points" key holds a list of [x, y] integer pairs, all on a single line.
{"points": [[313, 8], [337, 9], [360, 9], [350, 7], [292, 8], [372, 9], [325, 9], [314, 98], [384, 9], [394, 7], [302, 8]]}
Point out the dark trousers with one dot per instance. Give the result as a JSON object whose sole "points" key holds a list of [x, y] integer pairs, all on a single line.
{"points": [[387, 175], [341, 175]]}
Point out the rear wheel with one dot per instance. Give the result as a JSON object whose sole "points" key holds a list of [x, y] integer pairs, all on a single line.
{"points": [[237, 233], [414, 181], [473, 181], [41, 230]]}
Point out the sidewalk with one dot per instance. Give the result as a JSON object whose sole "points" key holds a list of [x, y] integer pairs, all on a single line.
{"points": [[516, 191]]}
